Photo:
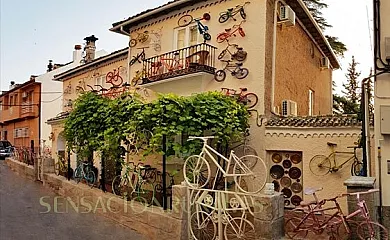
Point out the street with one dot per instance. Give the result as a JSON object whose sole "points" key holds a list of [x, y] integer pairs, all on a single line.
{"points": [[22, 215]]}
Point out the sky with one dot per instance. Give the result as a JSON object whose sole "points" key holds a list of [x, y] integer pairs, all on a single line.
{"points": [[34, 32]]}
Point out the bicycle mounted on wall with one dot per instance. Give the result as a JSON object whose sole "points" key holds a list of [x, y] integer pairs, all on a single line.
{"points": [[203, 29], [231, 12]]}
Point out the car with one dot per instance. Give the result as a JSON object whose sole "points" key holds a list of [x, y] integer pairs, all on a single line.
{"points": [[5, 149]]}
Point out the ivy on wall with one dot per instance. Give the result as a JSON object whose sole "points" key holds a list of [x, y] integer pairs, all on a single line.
{"points": [[101, 124]]}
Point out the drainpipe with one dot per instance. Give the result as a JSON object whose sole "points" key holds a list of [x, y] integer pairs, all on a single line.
{"points": [[121, 29], [380, 183]]}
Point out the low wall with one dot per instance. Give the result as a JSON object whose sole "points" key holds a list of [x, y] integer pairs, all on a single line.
{"points": [[151, 222], [21, 168]]}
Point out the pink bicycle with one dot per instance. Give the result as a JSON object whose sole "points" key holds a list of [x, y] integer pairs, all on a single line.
{"points": [[338, 225]]}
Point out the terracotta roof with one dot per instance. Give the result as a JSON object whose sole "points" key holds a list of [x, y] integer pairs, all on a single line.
{"points": [[297, 5], [315, 121], [77, 69], [60, 116]]}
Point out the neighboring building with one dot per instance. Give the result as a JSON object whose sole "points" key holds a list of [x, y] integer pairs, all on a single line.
{"points": [[94, 75], [382, 102], [19, 114], [52, 92]]}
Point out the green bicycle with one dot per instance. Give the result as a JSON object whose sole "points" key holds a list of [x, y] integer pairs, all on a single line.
{"points": [[60, 167], [121, 185], [142, 184], [84, 171]]}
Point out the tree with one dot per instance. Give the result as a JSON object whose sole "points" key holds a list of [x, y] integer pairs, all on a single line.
{"points": [[315, 7], [352, 85]]}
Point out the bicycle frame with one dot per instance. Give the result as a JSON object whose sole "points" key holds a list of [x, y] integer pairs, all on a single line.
{"points": [[333, 157], [230, 66], [207, 150]]}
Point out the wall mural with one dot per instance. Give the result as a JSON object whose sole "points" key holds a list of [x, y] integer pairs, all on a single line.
{"points": [[203, 29], [155, 42]]}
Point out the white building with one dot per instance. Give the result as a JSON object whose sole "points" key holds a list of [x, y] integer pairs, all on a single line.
{"points": [[52, 92], [382, 103]]}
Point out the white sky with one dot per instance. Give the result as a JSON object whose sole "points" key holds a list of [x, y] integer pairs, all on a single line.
{"points": [[352, 26], [32, 32]]}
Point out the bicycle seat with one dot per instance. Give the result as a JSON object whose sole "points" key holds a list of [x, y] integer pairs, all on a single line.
{"points": [[227, 29], [228, 61], [244, 89], [230, 9], [354, 147], [330, 144], [239, 48], [310, 191], [239, 64], [308, 203]]}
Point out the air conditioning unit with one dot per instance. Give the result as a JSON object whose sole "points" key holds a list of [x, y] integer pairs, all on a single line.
{"points": [[324, 63], [24, 94], [289, 108], [287, 16]]}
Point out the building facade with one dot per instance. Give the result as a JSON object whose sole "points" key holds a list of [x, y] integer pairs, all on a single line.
{"points": [[382, 104], [19, 114], [104, 75]]}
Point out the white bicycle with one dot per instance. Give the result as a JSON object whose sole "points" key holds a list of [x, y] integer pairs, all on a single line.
{"points": [[249, 169]]}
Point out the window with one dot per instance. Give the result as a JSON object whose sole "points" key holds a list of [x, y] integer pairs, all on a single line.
{"points": [[11, 101], [21, 132], [311, 102], [16, 99], [99, 81], [186, 36], [1, 106]]}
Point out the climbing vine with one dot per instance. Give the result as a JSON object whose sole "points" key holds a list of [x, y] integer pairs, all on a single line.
{"points": [[101, 124]]}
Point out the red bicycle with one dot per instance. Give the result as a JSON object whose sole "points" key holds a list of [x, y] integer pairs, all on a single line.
{"points": [[114, 78], [248, 99], [231, 32]]}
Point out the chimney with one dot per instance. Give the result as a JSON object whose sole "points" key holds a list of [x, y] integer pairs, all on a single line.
{"points": [[90, 48], [12, 85], [77, 54], [50, 66]]}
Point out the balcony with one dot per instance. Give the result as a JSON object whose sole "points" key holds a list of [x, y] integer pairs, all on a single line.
{"points": [[186, 61], [27, 110]]}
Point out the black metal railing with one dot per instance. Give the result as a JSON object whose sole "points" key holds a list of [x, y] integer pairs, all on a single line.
{"points": [[197, 58]]}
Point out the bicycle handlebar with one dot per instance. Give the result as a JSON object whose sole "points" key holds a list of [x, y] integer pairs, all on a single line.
{"points": [[365, 192], [202, 138]]}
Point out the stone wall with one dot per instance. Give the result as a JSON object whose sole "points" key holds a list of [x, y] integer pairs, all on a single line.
{"points": [[152, 222]]}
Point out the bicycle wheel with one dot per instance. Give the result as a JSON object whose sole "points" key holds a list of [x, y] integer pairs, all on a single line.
{"points": [[250, 160], [239, 228], [342, 233], [57, 168], [90, 178], [243, 150], [224, 17], [222, 37], [117, 80], [202, 227], [250, 100], [133, 61], [196, 171], [220, 76], [185, 20], [372, 230], [241, 73], [290, 227], [240, 55], [255, 180], [133, 42], [320, 165], [222, 54], [144, 194], [206, 36], [242, 13], [356, 168], [78, 174], [116, 186]]}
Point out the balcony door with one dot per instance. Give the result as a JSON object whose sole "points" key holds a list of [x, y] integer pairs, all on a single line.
{"points": [[186, 37]]}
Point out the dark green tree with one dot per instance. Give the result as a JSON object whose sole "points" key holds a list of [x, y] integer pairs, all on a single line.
{"points": [[315, 7], [352, 85]]}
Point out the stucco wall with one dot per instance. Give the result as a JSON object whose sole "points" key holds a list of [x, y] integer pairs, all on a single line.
{"points": [[253, 43], [298, 71], [89, 78], [382, 97], [52, 95], [311, 142]]}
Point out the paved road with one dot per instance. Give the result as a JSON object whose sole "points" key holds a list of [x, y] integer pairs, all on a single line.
{"points": [[21, 215]]}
